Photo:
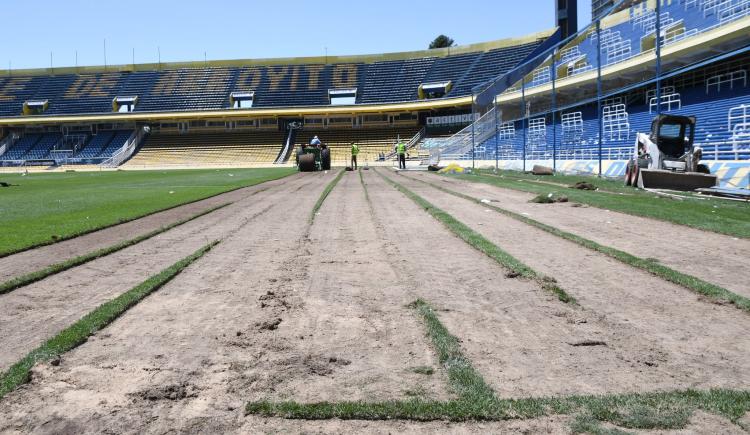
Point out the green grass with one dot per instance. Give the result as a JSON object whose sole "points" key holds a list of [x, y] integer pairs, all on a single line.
{"points": [[39, 275], [710, 214], [324, 195], [483, 245], [45, 208], [649, 265], [475, 400], [646, 411], [77, 333], [463, 379]]}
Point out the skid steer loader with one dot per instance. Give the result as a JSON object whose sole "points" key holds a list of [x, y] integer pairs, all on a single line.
{"points": [[667, 158]]}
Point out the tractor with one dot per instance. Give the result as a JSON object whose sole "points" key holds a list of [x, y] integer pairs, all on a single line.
{"points": [[313, 158], [667, 158]]}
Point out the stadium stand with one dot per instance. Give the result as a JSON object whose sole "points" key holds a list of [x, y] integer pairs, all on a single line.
{"points": [[396, 95], [117, 142], [208, 149], [21, 147], [95, 146], [718, 95], [93, 149], [395, 80], [633, 31], [275, 84]]}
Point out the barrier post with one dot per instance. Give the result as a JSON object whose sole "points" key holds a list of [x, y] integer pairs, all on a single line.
{"points": [[497, 134], [524, 123], [554, 110], [599, 90], [657, 34]]}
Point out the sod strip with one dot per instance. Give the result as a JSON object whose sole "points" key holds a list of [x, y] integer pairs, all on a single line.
{"points": [[690, 282], [77, 333], [324, 195], [39, 275], [364, 186], [480, 243], [463, 379], [134, 218], [654, 411], [476, 401]]}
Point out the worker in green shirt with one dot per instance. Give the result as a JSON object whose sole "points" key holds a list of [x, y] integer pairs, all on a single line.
{"points": [[355, 151], [401, 151]]}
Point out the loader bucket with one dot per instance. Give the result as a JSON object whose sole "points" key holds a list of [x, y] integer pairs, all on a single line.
{"points": [[683, 181]]}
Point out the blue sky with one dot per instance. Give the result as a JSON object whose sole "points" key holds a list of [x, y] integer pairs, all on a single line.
{"points": [[223, 29]]}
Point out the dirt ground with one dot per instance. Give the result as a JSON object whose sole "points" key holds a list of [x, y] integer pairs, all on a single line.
{"points": [[282, 310], [34, 259], [31, 314], [656, 327], [713, 257]]}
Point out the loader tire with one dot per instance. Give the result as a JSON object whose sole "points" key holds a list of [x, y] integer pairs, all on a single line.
{"points": [[325, 159], [634, 175], [703, 169], [307, 162], [628, 170], [297, 154]]}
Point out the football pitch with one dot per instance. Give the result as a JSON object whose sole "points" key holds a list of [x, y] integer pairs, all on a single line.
{"points": [[372, 300], [39, 208]]}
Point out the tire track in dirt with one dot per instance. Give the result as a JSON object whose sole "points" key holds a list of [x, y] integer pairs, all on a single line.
{"points": [[24, 262], [694, 343], [712, 257], [516, 334], [34, 313]]}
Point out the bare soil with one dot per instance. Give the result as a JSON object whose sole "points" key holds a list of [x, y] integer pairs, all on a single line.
{"points": [[282, 310], [24, 262], [700, 423], [713, 257], [32, 314], [278, 311], [664, 332]]}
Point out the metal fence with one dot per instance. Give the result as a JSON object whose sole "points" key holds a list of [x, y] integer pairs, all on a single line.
{"points": [[585, 98]]}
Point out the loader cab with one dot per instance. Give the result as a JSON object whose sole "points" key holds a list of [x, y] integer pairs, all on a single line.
{"points": [[673, 134]]}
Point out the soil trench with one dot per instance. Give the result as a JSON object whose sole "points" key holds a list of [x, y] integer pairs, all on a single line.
{"points": [[517, 335], [712, 257], [25, 262], [689, 342], [32, 314]]}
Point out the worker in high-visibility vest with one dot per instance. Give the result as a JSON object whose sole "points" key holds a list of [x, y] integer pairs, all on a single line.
{"points": [[401, 151], [355, 151]]}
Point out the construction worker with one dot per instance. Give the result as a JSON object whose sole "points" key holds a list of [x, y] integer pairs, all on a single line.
{"points": [[401, 151], [315, 142], [355, 151]]}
